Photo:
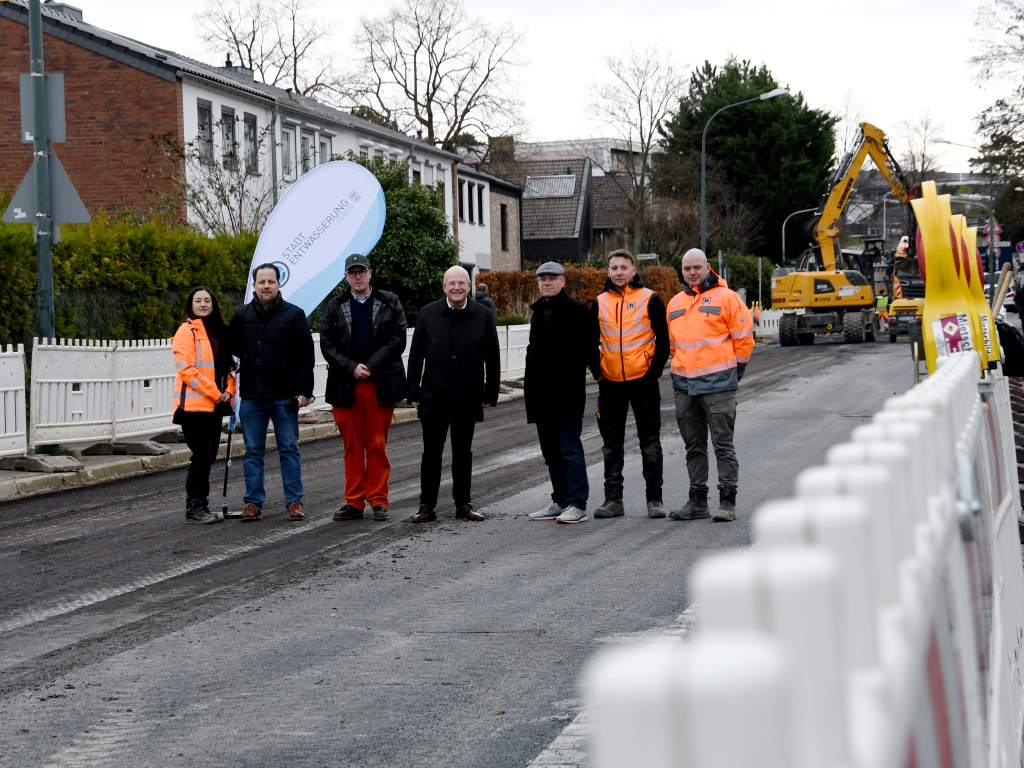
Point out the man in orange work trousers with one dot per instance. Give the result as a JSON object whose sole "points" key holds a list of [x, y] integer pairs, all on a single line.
{"points": [[362, 338], [632, 347], [712, 338]]}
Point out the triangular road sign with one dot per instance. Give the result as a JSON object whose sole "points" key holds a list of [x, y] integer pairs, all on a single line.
{"points": [[67, 207]]}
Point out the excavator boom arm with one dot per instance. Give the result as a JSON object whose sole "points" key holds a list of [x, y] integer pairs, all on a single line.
{"points": [[872, 144]]}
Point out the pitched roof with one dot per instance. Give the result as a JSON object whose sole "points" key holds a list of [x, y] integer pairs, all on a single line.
{"points": [[609, 201], [169, 65], [554, 198]]}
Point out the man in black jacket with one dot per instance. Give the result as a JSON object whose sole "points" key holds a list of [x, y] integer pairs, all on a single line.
{"points": [[555, 388], [454, 368], [362, 338], [271, 339]]}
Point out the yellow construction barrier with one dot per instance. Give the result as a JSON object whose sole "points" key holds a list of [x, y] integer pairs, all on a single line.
{"points": [[950, 322]]}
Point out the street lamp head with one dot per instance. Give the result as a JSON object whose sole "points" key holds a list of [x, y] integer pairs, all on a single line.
{"points": [[773, 93]]}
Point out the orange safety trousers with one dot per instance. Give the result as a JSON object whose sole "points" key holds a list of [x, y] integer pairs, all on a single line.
{"points": [[364, 435]]}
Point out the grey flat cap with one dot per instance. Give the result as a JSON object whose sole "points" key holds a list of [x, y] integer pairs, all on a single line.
{"points": [[550, 268]]}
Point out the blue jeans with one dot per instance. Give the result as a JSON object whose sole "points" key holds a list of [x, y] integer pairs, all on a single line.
{"points": [[255, 415], [562, 448]]}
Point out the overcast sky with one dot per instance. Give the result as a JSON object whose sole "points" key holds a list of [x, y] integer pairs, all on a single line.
{"points": [[893, 66]]}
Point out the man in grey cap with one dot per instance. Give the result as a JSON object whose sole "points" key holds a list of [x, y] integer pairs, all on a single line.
{"points": [[362, 337], [561, 343]]}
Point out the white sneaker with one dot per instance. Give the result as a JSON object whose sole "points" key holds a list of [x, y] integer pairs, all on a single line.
{"points": [[572, 514], [550, 512]]}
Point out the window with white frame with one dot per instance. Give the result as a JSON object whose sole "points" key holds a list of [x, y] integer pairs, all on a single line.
{"points": [[325, 149], [250, 144], [472, 189], [204, 115], [306, 145], [229, 139], [288, 153], [378, 154], [462, 195], [364, 151], [480, 204], [428, 175]]}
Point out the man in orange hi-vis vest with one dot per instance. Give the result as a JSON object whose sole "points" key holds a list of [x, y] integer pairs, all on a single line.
{"points": [[712, 337], [632, 348]]}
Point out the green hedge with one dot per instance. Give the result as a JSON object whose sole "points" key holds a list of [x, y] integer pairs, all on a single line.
{"points": [[117, 279]]}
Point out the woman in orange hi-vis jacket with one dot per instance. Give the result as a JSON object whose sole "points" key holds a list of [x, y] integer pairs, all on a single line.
{"points": [[204, 389]]}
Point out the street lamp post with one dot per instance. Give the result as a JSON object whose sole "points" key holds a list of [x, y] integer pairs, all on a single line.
{"points": [[703, 155], [785, 221]]}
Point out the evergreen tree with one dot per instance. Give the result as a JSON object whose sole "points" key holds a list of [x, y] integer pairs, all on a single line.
{"points": [[773, 156]]}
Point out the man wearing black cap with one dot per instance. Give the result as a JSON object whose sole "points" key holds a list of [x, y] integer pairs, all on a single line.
{"points": [[362, 337], [557, 357]]}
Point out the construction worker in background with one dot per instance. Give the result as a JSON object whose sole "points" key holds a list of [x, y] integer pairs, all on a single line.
{"points": [[631, 350], [712, 337], [882, 308]]}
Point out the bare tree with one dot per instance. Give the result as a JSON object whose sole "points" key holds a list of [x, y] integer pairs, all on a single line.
{"points": [[917, 159], [434, 69], [271, 38], [225, 196], [638, 95], [848, 127], [1001, 27]]}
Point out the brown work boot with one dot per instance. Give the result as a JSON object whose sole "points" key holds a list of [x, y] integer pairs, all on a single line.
{"points": [[468, 512], [251, 512], [425, 514], [295, 513]]}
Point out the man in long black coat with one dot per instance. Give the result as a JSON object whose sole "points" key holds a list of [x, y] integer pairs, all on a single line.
{"points": [[454, 367], [557, 357]]}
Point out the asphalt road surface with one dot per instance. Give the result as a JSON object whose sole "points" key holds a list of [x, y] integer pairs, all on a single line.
{"points": [[130, 639]]}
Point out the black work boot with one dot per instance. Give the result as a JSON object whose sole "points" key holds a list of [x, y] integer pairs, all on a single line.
{"points": [[726, 511], [694, 509], [199, 512]]}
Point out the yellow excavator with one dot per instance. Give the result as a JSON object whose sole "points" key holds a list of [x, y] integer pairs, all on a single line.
{"points": [[827, 293]]}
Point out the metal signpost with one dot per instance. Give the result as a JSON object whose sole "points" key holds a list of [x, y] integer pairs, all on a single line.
{"points": [[46, 196]]}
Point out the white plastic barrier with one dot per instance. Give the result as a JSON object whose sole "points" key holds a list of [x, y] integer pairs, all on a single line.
{"points": [[513, 340], [766, 327], [890, 592], [88, 391], [91, 391], [13, 435]]}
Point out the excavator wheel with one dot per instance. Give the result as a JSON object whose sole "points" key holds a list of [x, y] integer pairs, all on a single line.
{"points": [[853, 327], [787, 330]]}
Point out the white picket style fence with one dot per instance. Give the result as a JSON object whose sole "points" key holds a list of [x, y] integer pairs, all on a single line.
{"points": [[877, 621], [13, 432], [89, 391], [766, 327]]}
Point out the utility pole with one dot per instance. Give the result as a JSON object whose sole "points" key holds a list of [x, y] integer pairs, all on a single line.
{"points": [[45, 325]]}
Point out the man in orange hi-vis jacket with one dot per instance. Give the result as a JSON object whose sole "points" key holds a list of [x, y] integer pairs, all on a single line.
{"points": [[631, 350], [712, 336]]}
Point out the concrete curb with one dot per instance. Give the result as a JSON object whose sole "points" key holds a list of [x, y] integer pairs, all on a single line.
{"points": [[105, 469]]}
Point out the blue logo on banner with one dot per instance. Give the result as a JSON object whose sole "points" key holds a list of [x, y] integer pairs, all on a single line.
{"points": [[285, 272]]}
